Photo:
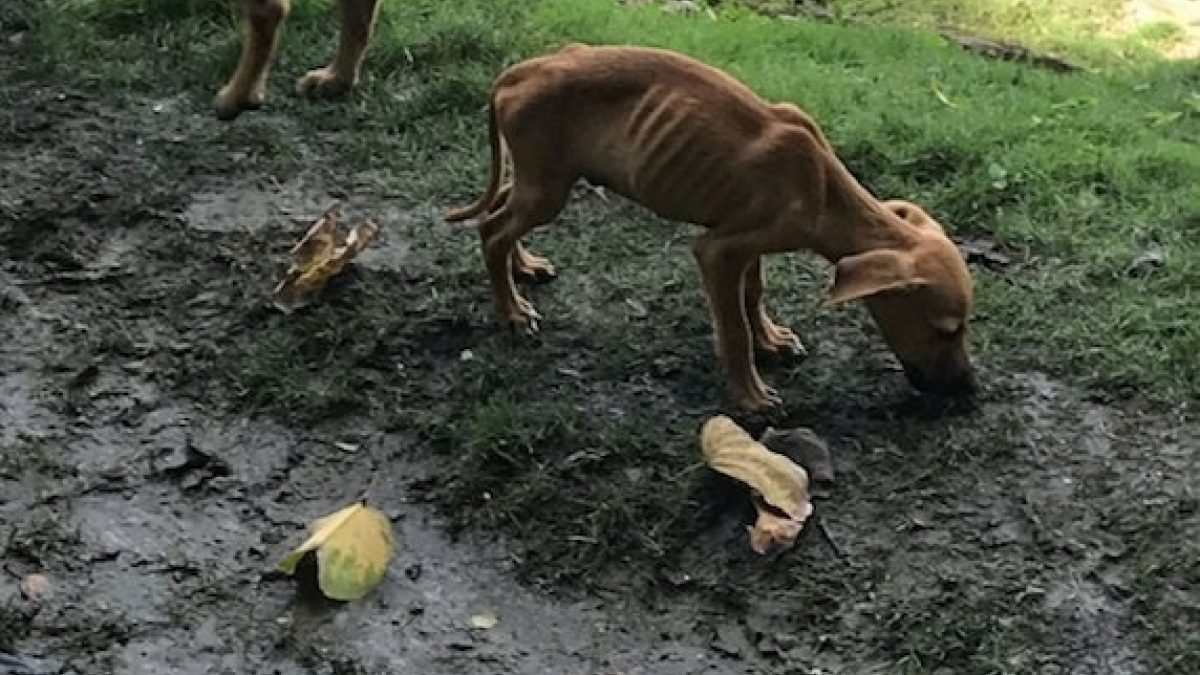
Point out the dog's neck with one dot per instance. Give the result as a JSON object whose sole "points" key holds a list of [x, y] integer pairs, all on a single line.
{"points": [[855, 221]]}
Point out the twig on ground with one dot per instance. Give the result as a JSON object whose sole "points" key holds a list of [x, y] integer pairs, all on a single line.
{"points": [[75, 276], [833, 545]]}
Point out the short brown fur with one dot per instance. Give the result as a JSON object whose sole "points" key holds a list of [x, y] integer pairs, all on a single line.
{"points": [[693, 144], [262, 21]]}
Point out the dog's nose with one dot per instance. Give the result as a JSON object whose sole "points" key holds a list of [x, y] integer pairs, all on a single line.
{"points": [[965, 384]]}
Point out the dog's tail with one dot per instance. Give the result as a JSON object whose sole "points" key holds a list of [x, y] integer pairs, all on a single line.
{"points": [[497, 148]]}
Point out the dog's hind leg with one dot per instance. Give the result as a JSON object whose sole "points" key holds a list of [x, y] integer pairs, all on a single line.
{"points": [[724, 262], [768, 335], [357, 23], [246, 88], [526, 265], [532, 202]]}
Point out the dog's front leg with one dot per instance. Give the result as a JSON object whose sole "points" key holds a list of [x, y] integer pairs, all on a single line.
{"points": [[357, 23], [723, 266], [770, 336], [247, 86]]}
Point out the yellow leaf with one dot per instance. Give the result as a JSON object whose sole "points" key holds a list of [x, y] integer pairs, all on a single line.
{"points": [[353, 547], [317, 258], [780, 485]]}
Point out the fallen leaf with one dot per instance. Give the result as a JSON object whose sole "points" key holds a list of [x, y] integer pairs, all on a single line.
{"points": [[318, 257], [484, 621], [780, 486], [1146, 262], [353, 548]]}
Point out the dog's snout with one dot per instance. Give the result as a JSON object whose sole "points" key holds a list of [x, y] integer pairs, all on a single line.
{"points": [[965, 384]]}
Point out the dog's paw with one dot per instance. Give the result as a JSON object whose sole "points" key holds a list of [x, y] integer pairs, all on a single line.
{"points": [[785, 344], [761, 399], [228, 103], [527, 266], [323, 83], [779, 341], [523, 326], [540, 271], [521, 320]]}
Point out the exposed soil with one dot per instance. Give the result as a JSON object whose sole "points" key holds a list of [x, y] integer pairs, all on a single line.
{"points": [[138, 243], [1183, 13]]}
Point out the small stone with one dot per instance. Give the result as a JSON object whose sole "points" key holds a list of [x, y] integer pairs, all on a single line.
{"points": [[804, 447], [35, 586], [1146, 263], [729, 640]]}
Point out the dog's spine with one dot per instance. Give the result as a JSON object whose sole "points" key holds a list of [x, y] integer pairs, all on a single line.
{"points": [[497, 149]]}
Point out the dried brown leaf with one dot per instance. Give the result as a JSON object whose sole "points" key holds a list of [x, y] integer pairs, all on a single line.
{"points": [[317, 257], [780, 486]]}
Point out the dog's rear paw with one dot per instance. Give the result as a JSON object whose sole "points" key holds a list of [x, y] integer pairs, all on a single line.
{"points": [[527, 266], [522, 320], [526, 326], [782, 342], [762, 399], [323, 83], [791, 349], [538, 274]]}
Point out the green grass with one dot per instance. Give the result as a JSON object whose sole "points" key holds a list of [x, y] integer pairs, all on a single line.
{"points": [[1073, 177], [1076, 175], [1092, 33]]}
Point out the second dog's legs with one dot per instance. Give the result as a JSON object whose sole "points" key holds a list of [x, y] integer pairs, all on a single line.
{"points": [[357, 23], [770, 336], [724, 263], [261, 20]]}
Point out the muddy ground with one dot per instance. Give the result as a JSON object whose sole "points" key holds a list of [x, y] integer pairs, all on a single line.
{"points": [[153, 463]]}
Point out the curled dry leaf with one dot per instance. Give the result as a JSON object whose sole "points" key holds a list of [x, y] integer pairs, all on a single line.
{"points": [[780, 486], [318, 257], [353, 547]]}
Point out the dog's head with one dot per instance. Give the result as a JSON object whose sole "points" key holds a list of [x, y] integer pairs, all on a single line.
{"points": [[921, 298]]}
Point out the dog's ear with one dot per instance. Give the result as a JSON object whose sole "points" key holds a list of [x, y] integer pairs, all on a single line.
{"points": [[911, 213], [858, 276]]}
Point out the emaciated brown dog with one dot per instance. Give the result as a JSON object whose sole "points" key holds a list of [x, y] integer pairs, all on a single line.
{"points": [[692, 144], [261, 22]]}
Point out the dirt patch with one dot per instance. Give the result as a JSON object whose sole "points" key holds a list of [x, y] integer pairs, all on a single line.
{"points": [[1184, 14], [166, 435], [154, 513]]}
